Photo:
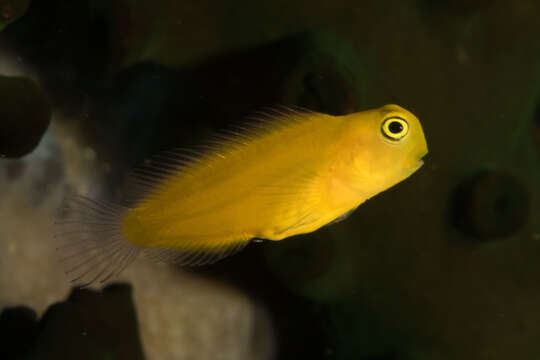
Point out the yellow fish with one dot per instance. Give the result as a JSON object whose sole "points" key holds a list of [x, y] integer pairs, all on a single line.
{"points": [[291, 174]]}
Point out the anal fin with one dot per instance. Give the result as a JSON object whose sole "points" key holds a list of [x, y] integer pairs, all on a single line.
{"points": [[194, 257]]}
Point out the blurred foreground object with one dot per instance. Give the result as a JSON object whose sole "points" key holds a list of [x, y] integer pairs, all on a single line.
{"points": [[88, 325], [12, 10], [25, 115]]}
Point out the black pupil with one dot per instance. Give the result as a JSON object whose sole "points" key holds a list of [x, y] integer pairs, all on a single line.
{"points": [[395, 127]]}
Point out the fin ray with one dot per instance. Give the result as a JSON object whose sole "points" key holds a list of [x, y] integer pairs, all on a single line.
{"points": [[92, 247], [197, 257], [143, 181]]}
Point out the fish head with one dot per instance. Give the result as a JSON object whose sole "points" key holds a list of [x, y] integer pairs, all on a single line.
{"points": [[387, 146]]}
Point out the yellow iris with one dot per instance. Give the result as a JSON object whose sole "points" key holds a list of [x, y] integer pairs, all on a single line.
{"points": [[395, 128]]}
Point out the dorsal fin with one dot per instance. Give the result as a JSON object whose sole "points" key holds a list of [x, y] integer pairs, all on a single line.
{"points": [[143, 180]]}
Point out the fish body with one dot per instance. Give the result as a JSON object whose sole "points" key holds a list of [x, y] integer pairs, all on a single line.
{"points": [[290, 175]]}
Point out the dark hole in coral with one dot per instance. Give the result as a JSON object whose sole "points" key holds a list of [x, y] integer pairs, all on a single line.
{"points": [[490, 205]]}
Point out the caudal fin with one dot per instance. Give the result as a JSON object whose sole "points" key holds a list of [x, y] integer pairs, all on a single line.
{"points": [[92, 247]]}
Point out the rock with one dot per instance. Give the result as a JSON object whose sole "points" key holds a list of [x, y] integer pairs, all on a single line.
{"points": [[317, 70], [12, 10], [18, 331], [327, 75], [91, 325], [25, 115], [67, 42], [88, 325]]}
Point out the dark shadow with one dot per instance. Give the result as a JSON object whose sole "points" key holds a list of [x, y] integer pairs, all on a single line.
{"points": [[89, 325]]}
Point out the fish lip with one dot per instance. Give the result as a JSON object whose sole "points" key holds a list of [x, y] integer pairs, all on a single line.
{"points": [[421, 161], [422, 157]]}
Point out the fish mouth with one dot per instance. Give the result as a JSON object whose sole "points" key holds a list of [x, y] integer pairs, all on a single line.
{"points": [[420, 161], [422, 156]]}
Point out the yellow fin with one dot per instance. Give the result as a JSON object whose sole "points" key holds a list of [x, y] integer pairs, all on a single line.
{"points": [[145, 179]]}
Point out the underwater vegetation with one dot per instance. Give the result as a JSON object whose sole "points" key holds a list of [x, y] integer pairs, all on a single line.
{"points": [[443, 266]]}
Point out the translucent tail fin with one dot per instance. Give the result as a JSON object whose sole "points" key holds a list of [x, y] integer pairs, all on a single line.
{"points": [[92, 247]]}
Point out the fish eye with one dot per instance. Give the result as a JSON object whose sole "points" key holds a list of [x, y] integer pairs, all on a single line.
{"points": [[395, 128]]}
